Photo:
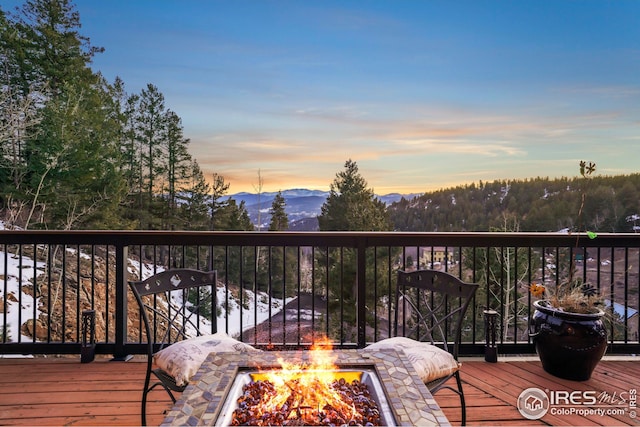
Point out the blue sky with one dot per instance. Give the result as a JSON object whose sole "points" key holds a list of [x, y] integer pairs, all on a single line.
{"points": [[421, 94]]}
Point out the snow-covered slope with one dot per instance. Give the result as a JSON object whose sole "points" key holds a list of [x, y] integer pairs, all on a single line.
{"points": [[19, 274]]}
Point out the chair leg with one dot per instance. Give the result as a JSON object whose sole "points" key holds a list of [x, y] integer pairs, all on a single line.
{"points": [[143, 409], [145, 391], [144, 399], [462, 403]]}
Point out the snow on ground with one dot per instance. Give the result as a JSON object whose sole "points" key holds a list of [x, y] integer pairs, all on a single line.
{"points": [[257, 310], [19, 305], [256, 313]]}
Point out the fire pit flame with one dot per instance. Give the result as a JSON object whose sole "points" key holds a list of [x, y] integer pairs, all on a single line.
{"points": [[315, 393]]}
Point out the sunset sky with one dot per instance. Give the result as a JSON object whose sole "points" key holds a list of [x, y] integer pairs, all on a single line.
{"points": [[421, 94]]}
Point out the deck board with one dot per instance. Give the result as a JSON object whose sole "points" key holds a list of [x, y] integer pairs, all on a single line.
{"points": [[62, 391]]}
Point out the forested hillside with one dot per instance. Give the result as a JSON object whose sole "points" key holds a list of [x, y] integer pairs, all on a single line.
{"points": [[79, 152], [611, 204]]}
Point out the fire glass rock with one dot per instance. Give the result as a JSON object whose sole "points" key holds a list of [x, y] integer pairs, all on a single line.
{"points": [[292, 413]]}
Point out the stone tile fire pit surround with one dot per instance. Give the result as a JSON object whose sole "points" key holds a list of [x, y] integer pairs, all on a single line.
{"points": [[411, 402]]}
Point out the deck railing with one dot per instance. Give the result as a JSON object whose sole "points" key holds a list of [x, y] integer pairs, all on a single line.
{"points": [[344, 280]]}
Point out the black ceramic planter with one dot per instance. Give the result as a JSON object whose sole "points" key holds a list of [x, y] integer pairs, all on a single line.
{"points": [[570, 345]]}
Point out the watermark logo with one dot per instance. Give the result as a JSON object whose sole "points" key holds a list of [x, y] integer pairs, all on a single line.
{"points": [[533, 403]]}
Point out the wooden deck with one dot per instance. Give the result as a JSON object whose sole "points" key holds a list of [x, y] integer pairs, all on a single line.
{"points": [[62, 391]]}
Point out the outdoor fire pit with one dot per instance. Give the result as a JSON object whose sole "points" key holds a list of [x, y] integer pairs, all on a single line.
{"points": [[392, 388], [361, 395]]}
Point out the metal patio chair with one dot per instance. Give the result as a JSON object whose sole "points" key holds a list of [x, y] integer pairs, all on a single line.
{"points": [[179, 317], [429, 308]]}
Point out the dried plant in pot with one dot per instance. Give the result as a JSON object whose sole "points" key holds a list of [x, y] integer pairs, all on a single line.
{"points": [[567, 325], [568, 332]]}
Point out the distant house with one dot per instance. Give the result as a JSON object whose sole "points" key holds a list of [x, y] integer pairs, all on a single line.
{"points": [[435, 257]]}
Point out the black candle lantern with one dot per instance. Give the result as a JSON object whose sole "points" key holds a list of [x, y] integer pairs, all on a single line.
{"points": [[88, 350], [490, 348]]}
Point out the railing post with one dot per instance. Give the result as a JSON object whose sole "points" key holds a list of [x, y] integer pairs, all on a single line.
{"points": [[122, 255], [362, 292]]}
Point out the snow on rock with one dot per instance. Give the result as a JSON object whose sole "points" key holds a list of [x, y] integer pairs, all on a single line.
{"points": [[18, 273]]}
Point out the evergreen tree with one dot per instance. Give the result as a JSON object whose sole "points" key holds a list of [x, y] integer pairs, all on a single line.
{"points": [[195, 201], [70, 173], [73, 162], [351, 206], [627, 198], [234, 217], [179, 164], [151, 132], [218, 190], [18, 120], [56, 53], [279, 280], [279, 219], [130, 145]]}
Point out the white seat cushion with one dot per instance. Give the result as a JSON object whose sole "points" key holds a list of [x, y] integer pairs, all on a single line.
{"points": [[429, 361], [182, 359]]}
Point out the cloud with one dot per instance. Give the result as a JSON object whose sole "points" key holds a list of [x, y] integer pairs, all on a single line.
{"points": [[608, 91], [461, 147]]}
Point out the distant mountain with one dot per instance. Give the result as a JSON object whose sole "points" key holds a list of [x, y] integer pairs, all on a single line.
{"points": [[267, 197], [302, 206]]}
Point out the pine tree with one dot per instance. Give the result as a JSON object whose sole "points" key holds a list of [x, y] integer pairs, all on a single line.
{"points": [[74, 162], [351, 206], [129, 145], [279, 219], [70, 176], [178, 164], [195, 201], [234, 217], [282, 263], [151, 129], [56, 53], [18, 119], [218, 190]]}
